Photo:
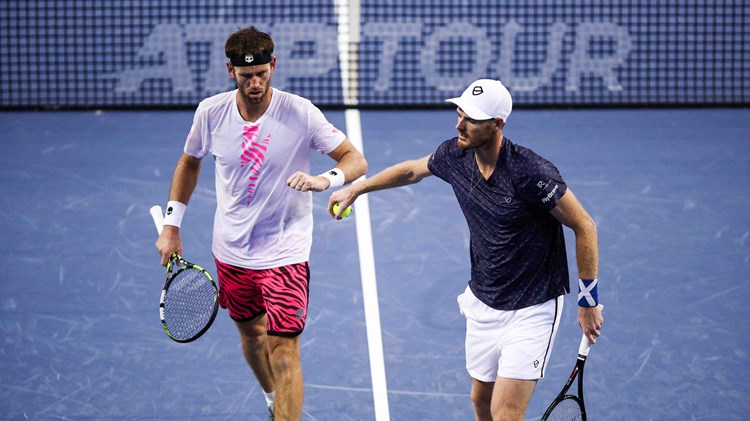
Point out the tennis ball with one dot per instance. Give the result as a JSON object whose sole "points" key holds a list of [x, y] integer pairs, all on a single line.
{"points": [[346, 212]]}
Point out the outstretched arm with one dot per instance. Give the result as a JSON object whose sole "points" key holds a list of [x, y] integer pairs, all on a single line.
{"points": [[571, 213], [401, 174]]}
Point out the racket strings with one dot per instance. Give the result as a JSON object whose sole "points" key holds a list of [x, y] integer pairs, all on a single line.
{"points": [[567, 409], [189, 303]]}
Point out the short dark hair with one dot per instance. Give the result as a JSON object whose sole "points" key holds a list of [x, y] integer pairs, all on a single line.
{"points": [[248, 41]]}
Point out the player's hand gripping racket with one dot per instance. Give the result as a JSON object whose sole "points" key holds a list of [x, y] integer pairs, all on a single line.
{"points": [[566, 406], [189, 299]]}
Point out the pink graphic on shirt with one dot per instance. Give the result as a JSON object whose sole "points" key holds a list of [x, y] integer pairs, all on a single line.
{"points": [[253, 155]]}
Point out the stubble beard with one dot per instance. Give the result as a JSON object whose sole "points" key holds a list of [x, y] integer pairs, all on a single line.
{"points": [[466, 142], [254, 99]]}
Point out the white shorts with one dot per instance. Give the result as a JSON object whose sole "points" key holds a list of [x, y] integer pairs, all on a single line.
{"points": [[509, 344]]}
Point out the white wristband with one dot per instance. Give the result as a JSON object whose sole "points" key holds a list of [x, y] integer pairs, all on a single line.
{"points": [[335, 176], [174, 214]]}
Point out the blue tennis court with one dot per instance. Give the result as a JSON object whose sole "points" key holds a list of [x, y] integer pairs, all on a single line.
{"points": [[81, 337]]}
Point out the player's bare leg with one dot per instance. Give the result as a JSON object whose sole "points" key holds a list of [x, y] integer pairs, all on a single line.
{"points": [[287, 374], [256, 350], [510, 398], [481, 398]]}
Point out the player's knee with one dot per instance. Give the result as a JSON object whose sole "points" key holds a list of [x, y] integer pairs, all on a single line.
{"points": [[481, 398], [508, 411], [283, 363], [284, 358]]}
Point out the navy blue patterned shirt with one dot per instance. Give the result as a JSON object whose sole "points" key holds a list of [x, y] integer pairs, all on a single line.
{"points": [[517, 247]]}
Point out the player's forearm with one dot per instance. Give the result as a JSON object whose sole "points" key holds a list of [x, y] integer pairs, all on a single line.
{"points": [[570, 212], [184, 179], [587, 250], [353, 164], [402, 174]]}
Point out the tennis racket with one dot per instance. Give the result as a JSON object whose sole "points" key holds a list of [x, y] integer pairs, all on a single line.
{"points": [[569, 407], [190, 297]]}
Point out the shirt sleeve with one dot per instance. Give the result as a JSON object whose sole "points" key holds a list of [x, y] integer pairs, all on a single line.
{"points": [[543, 186], [197, 140], [437, 164], [324, 137]]}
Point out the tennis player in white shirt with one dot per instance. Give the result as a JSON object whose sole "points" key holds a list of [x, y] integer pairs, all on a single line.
{"points": [[261, 139]]}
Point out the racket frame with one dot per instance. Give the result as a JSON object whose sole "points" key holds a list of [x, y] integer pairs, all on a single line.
{"points": [[577, 373], [177, 260]]}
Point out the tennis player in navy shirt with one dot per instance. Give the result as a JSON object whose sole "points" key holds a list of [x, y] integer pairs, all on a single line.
{"points": [[515, 203]]}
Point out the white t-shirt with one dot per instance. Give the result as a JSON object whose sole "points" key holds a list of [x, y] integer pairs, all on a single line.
{"points": [[260, 222]]}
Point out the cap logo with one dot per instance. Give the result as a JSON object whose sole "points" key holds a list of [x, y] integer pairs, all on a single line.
{"points": [[477, 90], [249, 58]]}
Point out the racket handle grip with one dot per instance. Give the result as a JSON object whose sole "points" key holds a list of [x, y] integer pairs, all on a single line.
{"points": [[158, 216], [583, 349]]}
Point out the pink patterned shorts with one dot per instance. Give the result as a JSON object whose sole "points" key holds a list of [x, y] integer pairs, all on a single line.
{"points": [[281, 293]]}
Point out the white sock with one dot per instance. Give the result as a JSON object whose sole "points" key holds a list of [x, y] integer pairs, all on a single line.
{"points": [[269, 397]]}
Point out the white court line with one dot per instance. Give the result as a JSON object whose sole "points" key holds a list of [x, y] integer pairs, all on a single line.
{"points": [[369, 282], [348, 19]]}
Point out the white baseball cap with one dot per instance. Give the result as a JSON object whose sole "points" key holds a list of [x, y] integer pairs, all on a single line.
{"points": [[485, 99]]}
